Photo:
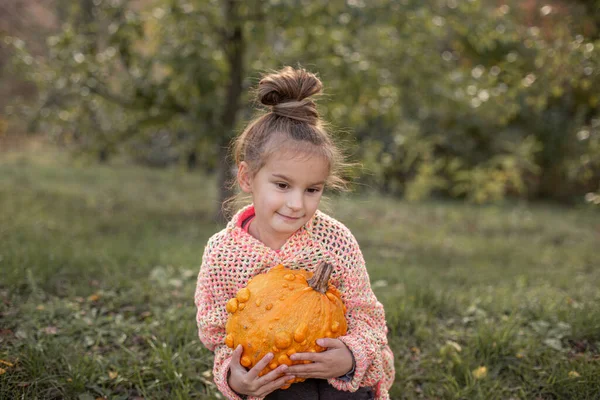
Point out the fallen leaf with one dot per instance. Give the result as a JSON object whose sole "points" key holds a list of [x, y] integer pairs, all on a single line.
{"points": [[113, 374], [207, 378], [379, 283], [41, 307], [50, 330], [7, 363], [480, 373], [176, 282], [21, 334], [574, 374], [2, 371], [94, 297], [553, 343], [455, 345], [6, 332]]}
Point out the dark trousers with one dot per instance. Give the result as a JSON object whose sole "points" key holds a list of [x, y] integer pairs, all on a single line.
{"points": [[319, 389]]}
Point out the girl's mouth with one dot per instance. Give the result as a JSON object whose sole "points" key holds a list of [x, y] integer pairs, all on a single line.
{"points": [[288, 218]]}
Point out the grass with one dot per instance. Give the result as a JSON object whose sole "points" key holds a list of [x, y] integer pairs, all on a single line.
{"points": [[98, 267]]}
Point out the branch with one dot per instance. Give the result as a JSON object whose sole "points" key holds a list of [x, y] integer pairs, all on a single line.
{"points": [[134, 128], [105, 93], [135, 103]]}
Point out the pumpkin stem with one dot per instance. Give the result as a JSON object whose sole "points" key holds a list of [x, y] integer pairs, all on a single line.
{"points": [[320, 279]]}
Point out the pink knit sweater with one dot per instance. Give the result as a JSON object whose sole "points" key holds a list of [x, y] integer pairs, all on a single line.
{"points": [[232, 256]]}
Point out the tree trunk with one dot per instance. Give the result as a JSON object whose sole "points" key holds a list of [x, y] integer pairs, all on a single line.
{"points": [[192, 160], [103, 156], [234, 48]]}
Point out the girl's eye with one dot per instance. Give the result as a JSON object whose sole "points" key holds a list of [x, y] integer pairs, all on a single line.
{"points": [[313, 190], [281, 185]]}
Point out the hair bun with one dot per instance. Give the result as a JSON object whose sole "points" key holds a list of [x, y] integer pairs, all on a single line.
{"points": [[287, 92]]}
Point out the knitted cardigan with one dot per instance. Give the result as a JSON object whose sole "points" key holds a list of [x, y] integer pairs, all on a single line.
{"points": [[232, 256]]}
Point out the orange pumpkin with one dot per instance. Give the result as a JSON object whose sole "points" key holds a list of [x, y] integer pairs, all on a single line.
{"points": [[284, 311]]}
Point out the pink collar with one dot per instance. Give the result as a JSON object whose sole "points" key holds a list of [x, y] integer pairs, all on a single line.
{"points": [[245, 218]]}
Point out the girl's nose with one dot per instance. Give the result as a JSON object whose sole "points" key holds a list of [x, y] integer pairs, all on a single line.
{"points": [[294, 202]]}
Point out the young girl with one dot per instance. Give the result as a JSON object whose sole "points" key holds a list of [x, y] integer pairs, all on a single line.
{"points": [[285, 160]]}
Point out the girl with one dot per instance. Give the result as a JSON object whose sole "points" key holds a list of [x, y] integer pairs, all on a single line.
{"points": [[285, 160]]}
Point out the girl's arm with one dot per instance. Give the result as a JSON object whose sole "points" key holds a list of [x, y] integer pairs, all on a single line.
{"points": [[211, 318], [367, 330]]}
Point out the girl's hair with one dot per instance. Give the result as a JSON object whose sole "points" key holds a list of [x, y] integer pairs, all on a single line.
{"points": [[290, 123]]}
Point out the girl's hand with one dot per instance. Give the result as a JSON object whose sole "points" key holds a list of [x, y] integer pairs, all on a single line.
{"points": [[248, 382], [334, 362]]}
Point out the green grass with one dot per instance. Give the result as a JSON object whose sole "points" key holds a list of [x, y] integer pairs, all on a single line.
{"points": [[98, 267]]}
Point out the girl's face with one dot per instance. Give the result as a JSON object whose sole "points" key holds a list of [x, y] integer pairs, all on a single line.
{"points": [[286, 192]]}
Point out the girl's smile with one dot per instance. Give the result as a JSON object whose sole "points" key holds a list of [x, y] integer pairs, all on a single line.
{"points": [[289, 218], [286, 192]]}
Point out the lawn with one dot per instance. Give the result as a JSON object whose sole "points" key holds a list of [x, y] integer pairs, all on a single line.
{"points": [[98, 266]]}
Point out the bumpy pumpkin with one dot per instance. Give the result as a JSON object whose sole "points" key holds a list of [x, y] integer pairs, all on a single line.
{"points": [[284, 311]]}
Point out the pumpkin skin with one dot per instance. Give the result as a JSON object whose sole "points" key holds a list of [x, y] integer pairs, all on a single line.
{"points": [[280, 312]]}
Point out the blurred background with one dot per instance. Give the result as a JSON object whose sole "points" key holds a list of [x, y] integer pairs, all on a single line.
{"points": [[477, 100], [476, 124]]}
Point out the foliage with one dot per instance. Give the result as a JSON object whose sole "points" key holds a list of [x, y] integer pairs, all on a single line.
{"points": [[505, 108], [477, 100]]}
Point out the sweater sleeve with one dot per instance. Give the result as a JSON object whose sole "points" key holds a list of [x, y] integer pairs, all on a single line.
{"points": [[367, 331], [211, 318]]}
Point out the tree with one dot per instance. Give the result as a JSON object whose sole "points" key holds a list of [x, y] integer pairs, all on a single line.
{"points": [[476, 100]]}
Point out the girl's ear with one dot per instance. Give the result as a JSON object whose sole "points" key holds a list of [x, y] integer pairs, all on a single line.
{"points": [[244, 178]]}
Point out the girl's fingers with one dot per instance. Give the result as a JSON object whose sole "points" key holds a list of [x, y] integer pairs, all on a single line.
{"points": [[330, 343], [276, 384], [306, 356], [260, 365], [273, 375], [304, 371], [235, 357]]}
